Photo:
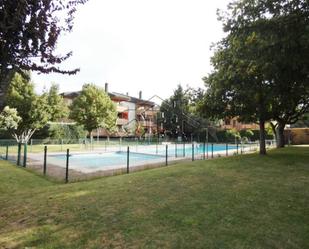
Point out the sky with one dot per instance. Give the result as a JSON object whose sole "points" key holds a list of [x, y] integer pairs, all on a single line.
{"points": [[139, 45]]}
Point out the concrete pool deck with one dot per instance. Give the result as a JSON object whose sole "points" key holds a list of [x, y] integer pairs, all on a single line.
{"points": [[56, 169]]}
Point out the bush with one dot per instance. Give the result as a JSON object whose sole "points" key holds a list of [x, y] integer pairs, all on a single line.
{"points": [[61, 131]]}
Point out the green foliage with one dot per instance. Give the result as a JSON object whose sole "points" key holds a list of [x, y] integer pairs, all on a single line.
{"points": [[232, 135], [32, 108], [9, 118], [29, 36], [248, 80], [65, 131], [269, 130], [57, 108], [93, 109], [302, 123], [246, 133], [179, 113]]}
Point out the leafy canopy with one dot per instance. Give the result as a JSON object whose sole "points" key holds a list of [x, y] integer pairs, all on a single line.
{"points": [[29, 32], [9, 118], [32, 108], [261, 67], [57, 107], [93, 109]]}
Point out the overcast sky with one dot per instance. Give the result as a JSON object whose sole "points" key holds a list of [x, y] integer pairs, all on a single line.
{"points": [[139, 45]]}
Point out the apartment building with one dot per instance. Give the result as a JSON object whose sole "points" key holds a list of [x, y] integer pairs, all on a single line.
{"points": [[234, 123], [136, 116]]}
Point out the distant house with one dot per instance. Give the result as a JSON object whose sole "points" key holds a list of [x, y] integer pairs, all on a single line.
{"points": [[134, 114], [233, 123]]}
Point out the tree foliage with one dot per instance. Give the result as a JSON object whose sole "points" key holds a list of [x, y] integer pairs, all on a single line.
{"points": [[261, 67], [179, 116], [93, 109], [57, 108], [32, 108], [29, 31], [9, 119]]}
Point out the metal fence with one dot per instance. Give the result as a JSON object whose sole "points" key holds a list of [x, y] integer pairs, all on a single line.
{"points": [[84, 159]]}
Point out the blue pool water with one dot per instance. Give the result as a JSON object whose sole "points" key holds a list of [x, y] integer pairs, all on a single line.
{"points": [[98, 160], [180, 150], [143, 155]]}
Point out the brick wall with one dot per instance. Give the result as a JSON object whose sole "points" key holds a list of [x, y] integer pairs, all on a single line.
{"points": [[297, 135]]}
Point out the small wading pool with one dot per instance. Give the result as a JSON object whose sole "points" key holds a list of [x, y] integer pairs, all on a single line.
{"points": [[91, 162]]}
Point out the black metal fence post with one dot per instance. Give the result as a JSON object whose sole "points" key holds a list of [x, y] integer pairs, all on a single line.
{"points": [[184, 150], [227, 149], [45, 157], [212, 150], [176, 149], [18, 154], [204, 151], [7, 152], [237, 147], [192, 152], [166, 155], [128, 160], [25, 155], [67, 167]]}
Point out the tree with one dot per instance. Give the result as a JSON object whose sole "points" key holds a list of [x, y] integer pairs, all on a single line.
{"points": [[302, 123], [261, 66], [233, 134], [234, 87], [179, 116], [9, 119], [174, 113], [94, 109], [57, 108], [32, 108], [29, 31]]}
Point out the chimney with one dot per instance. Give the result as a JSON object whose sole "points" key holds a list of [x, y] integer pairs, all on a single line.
{"points": [[106, 87], [127, 94], [140, 94]]}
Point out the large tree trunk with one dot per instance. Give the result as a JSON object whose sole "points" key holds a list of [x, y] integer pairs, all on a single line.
{"points": [[280, 135], [262, 138]]}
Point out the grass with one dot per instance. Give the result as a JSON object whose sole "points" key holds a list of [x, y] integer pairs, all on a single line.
{"points": [[239, 202]]}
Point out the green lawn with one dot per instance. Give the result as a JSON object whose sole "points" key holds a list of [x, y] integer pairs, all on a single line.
{"points": [[238, 202]]}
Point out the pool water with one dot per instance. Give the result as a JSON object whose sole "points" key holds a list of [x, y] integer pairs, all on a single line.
{"points": [[142, 155], [98, 160], [180, 150]]}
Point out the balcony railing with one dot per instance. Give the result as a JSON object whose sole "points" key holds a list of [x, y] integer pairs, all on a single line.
{"points": [[122, 121], [120, 108], [146, 112], [148, 123]]}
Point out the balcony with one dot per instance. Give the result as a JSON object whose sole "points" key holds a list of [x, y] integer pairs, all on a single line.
{"points": [[146, 112], [148, 123], [121, 109], [122, 121]]}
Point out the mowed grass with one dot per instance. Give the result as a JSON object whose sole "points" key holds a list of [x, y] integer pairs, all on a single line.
{"points": [[238, 202]]}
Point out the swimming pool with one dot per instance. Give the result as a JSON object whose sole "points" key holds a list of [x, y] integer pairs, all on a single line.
{"points": [[142, 155], [98, 161], [183, 149]]}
